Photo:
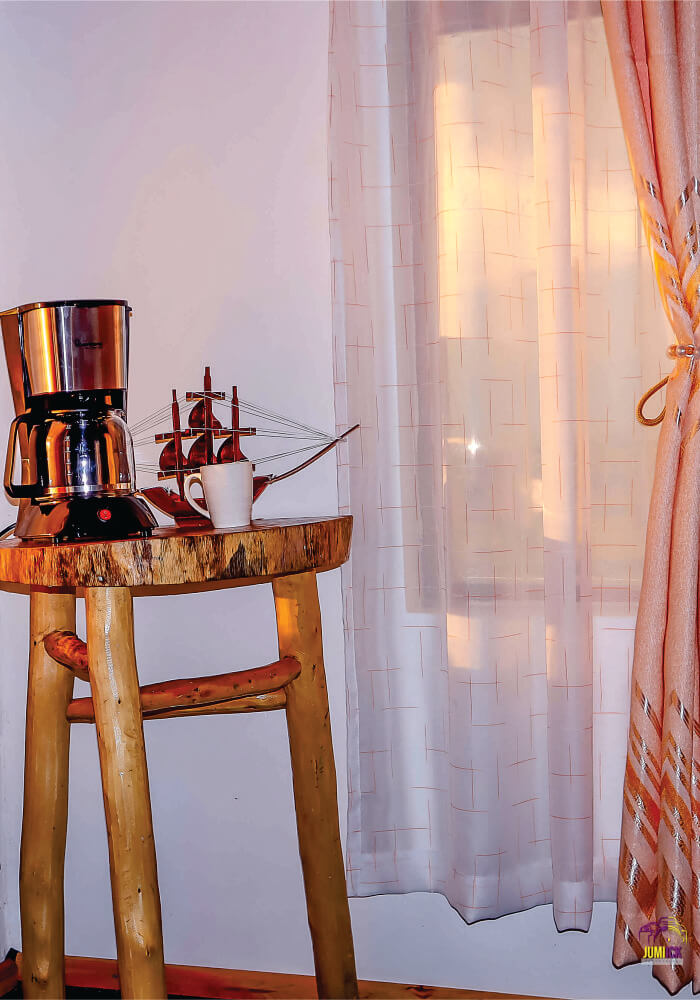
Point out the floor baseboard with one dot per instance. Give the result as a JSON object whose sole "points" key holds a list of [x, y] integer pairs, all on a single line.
{"points": [[234, 984]]}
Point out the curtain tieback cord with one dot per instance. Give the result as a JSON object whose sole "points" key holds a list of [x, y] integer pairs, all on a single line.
{"points": [[676, 351]]}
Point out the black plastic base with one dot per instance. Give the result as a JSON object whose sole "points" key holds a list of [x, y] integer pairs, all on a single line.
{"points": [[83, 519]]}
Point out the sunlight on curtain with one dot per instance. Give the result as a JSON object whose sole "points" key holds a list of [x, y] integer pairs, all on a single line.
{"points": [[494, 322]]}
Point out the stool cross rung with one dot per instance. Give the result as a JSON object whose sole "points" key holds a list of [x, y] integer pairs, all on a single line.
{"points": [[184, 695], [67, 649], [233, 706]]}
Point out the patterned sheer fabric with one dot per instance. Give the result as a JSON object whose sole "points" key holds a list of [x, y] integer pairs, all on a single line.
{"points": [[495, 318], [655, 49]]}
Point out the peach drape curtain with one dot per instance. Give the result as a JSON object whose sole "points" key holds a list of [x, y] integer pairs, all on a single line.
{"points": [[486, 245], [655, 53]]}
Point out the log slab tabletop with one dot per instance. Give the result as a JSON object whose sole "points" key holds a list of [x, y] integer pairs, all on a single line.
{"points": [[172, 557]]}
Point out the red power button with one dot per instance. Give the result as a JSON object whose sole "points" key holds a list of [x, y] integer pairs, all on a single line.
{"points": [[104, 514]]}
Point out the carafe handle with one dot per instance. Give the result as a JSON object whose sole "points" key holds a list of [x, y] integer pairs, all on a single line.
{"points": [[16, 491]]}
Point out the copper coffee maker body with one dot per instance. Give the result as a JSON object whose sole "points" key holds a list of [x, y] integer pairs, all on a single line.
{"points": [[68, 366]]}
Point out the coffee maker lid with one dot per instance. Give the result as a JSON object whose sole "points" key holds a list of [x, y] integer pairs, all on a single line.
{"points": [[74, 303]]}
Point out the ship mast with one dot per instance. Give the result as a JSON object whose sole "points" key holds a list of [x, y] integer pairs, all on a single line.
{"points": [[177, 436], [208, 429]]}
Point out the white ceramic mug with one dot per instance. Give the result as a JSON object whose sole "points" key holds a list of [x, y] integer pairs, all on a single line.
{"points": [[228, 493]]}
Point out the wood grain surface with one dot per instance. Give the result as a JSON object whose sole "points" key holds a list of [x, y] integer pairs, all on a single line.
{"points": [[239, 984], [9, 974], [172, 557], [45, 813], [315, 794], [132, 852]]}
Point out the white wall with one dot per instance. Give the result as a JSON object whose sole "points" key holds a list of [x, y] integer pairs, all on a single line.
{"points": [[174, 154]]}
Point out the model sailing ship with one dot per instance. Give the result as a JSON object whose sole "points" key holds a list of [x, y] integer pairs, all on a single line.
{"points": [[206, 441]]}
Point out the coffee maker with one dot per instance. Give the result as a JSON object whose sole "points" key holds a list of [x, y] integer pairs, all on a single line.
{"points": [[68, 365]]}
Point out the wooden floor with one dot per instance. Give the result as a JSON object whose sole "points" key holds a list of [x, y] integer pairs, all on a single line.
{"points": [[97, 977]]}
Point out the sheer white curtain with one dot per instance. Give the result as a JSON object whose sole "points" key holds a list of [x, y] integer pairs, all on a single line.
{"points": [[495, 321]]}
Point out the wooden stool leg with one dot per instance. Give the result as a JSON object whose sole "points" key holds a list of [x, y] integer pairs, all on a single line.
{"points": [[45, 812], [313, 772], [132, 855]]}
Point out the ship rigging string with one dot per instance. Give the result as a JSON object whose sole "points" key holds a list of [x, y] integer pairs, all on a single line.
{"points": [[284, 428]]}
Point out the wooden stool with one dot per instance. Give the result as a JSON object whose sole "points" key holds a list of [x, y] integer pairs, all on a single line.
{"points": [[286, 553]]}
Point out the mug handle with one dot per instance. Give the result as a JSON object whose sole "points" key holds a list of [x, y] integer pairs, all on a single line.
{"points": [[190, 480]]}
